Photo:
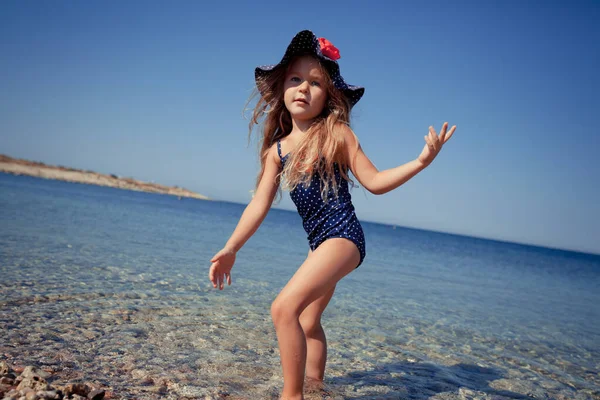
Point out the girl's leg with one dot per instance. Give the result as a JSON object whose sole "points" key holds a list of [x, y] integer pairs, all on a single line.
{"points": [[329, 263], [316, 343]]}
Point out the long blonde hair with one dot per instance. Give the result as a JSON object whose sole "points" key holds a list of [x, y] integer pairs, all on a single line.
{"points": [[321, 146]]}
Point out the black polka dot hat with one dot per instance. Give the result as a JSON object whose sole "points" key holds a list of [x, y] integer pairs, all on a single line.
{"points": [[306, 42]]}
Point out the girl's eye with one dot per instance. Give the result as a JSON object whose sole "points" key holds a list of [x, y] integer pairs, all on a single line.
{"points": [[295, 79], [315, 83]]}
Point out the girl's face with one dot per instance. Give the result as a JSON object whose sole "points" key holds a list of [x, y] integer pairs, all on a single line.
{"points": [[304, 89]]}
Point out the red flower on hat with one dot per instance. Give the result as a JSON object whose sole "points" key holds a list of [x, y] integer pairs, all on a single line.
{"points": [[328, 49]]}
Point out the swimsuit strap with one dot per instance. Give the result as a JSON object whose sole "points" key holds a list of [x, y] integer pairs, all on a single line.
{"points": [[279, 149]]}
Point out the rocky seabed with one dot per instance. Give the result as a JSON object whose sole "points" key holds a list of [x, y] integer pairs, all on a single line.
{"points": [[32, 384]]}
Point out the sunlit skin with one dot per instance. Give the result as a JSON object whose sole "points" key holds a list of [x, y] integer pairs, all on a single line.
{"points": [[297, 310]]}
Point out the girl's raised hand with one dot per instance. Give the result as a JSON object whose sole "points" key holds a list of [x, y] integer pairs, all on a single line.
{"points": [[434, 143], [220, 269]]}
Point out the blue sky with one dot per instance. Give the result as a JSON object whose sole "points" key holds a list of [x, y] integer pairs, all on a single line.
{"points": [[155, 91]]}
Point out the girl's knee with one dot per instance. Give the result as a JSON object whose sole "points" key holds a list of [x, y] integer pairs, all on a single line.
{"points": [[283, 312]]}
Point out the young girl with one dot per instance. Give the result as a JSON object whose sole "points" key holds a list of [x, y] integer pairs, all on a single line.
{"points": [[307, 144]]}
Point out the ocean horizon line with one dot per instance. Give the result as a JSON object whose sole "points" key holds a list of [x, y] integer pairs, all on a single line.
{"points": [[584, 252]]}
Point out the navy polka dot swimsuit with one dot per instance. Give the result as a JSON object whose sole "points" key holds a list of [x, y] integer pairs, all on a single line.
{"points": [[321, 220]]}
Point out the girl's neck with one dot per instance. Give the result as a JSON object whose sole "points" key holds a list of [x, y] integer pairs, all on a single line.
{"points": [[300, 127]]}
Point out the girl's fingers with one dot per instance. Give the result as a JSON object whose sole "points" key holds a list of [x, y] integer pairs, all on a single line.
{"points": [[211, 275], [432, 134], [429, 143], [217, 274], [449, 135], [443, 131], [434, 141]]}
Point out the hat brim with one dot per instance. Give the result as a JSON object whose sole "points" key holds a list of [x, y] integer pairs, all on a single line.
{"points": [[305, 42]]}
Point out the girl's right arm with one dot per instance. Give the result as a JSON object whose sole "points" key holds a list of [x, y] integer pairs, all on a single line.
{"points": [[254, 214]]}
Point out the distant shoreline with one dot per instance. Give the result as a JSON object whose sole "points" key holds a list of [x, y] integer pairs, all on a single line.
{"points": [[17, 166]]}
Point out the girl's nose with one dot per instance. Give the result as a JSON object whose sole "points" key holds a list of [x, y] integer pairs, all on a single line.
{"points": [[303, 87]]}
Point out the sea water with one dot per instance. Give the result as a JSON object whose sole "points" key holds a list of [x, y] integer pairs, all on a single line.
{"points": [[110, 287]]}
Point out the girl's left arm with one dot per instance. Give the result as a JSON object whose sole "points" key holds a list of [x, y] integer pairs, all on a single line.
{"points": [[380, 182]]}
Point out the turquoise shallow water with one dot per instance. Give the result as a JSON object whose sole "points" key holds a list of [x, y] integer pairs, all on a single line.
{"points": [[110, 286]]}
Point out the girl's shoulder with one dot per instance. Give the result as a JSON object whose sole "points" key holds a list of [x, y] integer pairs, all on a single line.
{"points": [[286, 144], [273, 150], [350, 138], [274, 153]]}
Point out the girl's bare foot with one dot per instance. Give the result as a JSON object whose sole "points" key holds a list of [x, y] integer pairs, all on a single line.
{"points": [[316, 389]]}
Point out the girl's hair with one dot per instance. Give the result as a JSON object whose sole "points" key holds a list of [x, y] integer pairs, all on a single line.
{"points": [[318, 150]]}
